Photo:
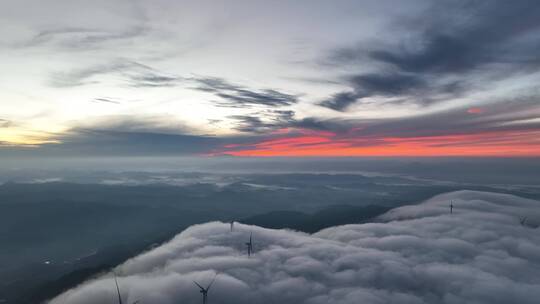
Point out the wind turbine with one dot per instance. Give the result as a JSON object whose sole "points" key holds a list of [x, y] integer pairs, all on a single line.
{"points": [[118, 291], [232, 225], [451, 207], [204, 291], [250, 244]]}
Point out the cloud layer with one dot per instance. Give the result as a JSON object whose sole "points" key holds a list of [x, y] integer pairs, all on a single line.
{"points": [[236, 96], [449, 50], [413, 254], [384, 73]]}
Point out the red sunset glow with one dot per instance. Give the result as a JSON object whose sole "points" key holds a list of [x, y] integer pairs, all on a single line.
{"points": [[475, 111], [495, 144]]}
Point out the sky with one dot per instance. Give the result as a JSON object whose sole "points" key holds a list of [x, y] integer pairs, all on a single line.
{"points": [[270, 78]]}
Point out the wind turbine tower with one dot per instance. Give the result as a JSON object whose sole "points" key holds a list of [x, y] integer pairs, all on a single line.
{"points": [[250, 244]]}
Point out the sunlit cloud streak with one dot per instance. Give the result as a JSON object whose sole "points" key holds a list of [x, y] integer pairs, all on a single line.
{"points": [[498, 144]]}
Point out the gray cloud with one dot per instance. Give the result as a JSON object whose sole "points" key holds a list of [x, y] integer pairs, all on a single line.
{"points": [[128, 135], [451, 43], [165, 135], [124, 135], [83, 38], [235, 96], [166, 124], [263, 121], [390, 85], [340, 101], [517, 114], [134, 73], [79, 26], [106, 100], [96, 142], [414, 254], [153, 80], [472, 41], [6, 123], [500, 116], [333, 125]]}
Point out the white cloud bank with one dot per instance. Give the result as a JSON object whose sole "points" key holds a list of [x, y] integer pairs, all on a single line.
{"points": [[417, 254]]}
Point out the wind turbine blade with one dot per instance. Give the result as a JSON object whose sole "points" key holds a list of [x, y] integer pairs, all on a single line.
{"points": [[210, 285], [198, 285], [117, 289]]}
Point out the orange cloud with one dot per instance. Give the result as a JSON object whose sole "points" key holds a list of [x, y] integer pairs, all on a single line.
{"points": [[495, 144], [475, 111]]}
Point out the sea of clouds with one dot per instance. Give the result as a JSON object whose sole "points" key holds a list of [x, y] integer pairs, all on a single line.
{"points": [[414, 254]]}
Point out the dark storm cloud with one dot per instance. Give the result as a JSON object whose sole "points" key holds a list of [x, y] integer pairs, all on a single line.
{"points": [[467, 39], [417, 254], [235, 96], [134, 74]]}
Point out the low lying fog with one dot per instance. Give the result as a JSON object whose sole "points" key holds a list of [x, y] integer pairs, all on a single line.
{"points": [[480, 253]]}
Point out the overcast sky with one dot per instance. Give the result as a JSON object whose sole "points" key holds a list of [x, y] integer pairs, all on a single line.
{"points": [[270, 78]]}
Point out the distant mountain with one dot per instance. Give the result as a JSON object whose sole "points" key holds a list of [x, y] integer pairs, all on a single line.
{"points": [[310, 223]]}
